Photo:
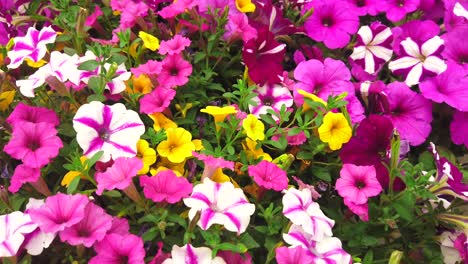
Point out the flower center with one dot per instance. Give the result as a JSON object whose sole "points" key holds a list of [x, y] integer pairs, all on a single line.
{"points": [[360, 3], [360, 184], [33, 145], [268, 101], [123, 259], [327, 21], [401, 3], [215, 208], [174, 71], [83, 233], [104, 134]]}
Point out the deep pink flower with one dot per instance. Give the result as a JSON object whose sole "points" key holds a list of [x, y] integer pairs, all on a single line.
{"points": [[269, 176], [23, 174], [165, 186], [175, 71], [231, 257], [176, 8], [459, 128], [157, 101], [298, 254], [34, 144], [364, 7], [151, 67], [361, 210], [270, 15], [174, 46], [119, 226], [397, 9], [91, 229], [60, 211], [116, 249], [331, 22], [357, 183], [119, 175], [238, 27], [130, 11], [92, 19], [455, 48], [417, 30], [33, 114], [294, 140]]}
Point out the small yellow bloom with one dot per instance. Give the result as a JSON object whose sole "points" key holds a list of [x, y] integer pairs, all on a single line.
{"points": [[219, 176], [162, 168], [178, 146], [149, 41], [250, 147], [141, 85], [198, 144], [335, 130], [312, 97], [219, 113], [6, 98], [161, 122], [68, 178], [253, 127], [245, 6], [34, 64], [133, 49], [146, 154]]}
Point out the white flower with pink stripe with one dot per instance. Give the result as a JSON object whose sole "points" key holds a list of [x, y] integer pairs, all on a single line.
{"points": [[220, 203], [13, 229], [192, 255]]}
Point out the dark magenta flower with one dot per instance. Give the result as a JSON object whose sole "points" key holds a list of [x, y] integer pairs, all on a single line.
{"points": [[458, 128], [396, 10], [456, 49]]}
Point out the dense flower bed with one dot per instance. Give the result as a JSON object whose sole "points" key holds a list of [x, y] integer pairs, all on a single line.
{"points": [[234, 131]]}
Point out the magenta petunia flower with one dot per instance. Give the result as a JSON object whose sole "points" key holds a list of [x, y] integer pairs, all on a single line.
{"points": [[361, 210], [34, 144], [166, 186], [357, 183], [177, 8], [263, 57], [238, 27], [373, 47], [32, 46], [91, 229], [212, 164], [271, 16], [116, 249], [112, 129], [410, 112], [34, 114], [130, 11], [455, 48], [455, 16], [458, 128], [151, 67], [14, 227], [157, 101], [272, 97], [192, 255], [232, 257], [119, 175], [175, 71], [220, 203], [269, 176], [174, 46], [92, 19], [293, 255], [294, 140], [396, 10], [23, 174], [364, 7], [331, 22], [60, 211], [299, 207]]}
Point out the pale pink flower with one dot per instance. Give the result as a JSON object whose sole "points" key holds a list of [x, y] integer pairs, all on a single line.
{"points": [[119, 175], [13, 229], [192, 255]]}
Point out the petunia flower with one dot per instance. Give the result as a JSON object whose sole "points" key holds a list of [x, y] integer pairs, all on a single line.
{"points": [[212, 164], [458, 128], [165, 186], [177, 8], [454, 246], [245, 6], [32, 46], [149, 41], [238, 27], [418, 61], [115, 249], [269, 176], [34, 114], [119, 175], [220, 203], [112, 129], [270, 97], [13, 229], [151, 67], [146, 154], [364, 7], [38, 239], [335, 130], [175, 71], [192, 255], [157, 101], [34, 144], [129, 11], [293, 255], [396, 10], [91, 229], [253, 127], [361, 210], [250, 148], [455, 49], [232, 257], [219, 113], [60, 211], [373, 47], [357, 183], [23, 174], [178, 146], [299, 207], [161, 121], [174, 46]]}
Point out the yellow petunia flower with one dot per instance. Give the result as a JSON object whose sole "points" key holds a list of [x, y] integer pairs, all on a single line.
{"points": [[335, 130], [68, 178], [198, 144], [154, 171], [245, 6], [6, 98], [250, 147], [219, 113], [34, 64], [161, 122], [219, 176], [312, 97], [141, 85], [146, 154], [149, 41], [178, 146], [253, 127]]}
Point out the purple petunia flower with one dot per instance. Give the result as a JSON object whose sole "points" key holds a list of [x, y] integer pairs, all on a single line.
{"points": [[455, 16], [456, 49], [396, 10], [174, 46], [364, 7], [157, 101], [115, 249], [331, 22], [293, 255], [269, 176], [238, 27], [270, 97], [458, 128], [165, 186]]}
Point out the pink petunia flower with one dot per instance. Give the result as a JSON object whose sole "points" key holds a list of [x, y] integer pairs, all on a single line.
{"points": [[34, 144], [455, 49], [166, 186], [13, 229], [112, 129], [364, 7], [238, 27], [174, 46], [116, 249], [32, 46], [358, 183], [37, 240], [157, 101], [396, 10], [119, 226], [293, 255], [458, 128], [151, 67], [34, 114], [130, 11], [91, 229], [232, 257], [177, 8], [119, 175], [92, 19], [212, 164], [220, 203], [23, 174], [60, 211], [175, 71], [294, 140], [190, 254], [301, 210], [269, 176]]}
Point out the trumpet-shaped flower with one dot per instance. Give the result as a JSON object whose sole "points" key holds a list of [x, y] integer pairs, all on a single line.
{"points": [[220, 203], [178, 146], [358, 183], [174, 46], [13, 229], [151, 67], [146, 154], [245, 6], [23, 174], [250, 147], [34, 114], [32, 46], [219, 113], [269, 175], [38, 239], [192, 255], [149, 41], [175, 71], [253, 127], [119, 175], [117, 248], [140, 85], [335, 130], [112, 129], [165, 186], [157, 101], [161, 121], [299, 207], [212, 164], [293, 255], [270, 97]]}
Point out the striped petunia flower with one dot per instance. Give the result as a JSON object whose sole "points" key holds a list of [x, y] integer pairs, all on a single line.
{"points": [[112, 129], [32, 46], [190, 254], [13, 229], [373, 47], [270, 97], [220, 203], [419, 61]]}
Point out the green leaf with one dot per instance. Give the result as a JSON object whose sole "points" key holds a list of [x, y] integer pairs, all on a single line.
{"points": [[96, 97], [211, 238], [405, 206], [117, 58], [90, 162], [322, 173], [113, 194], [248, 241], [73, 185], [150, 234], [89, 65], [150, 218], [238, 248], [368, 258]]}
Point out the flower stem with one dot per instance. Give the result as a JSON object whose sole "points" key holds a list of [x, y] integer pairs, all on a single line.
{"points": [[41, 187]]}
